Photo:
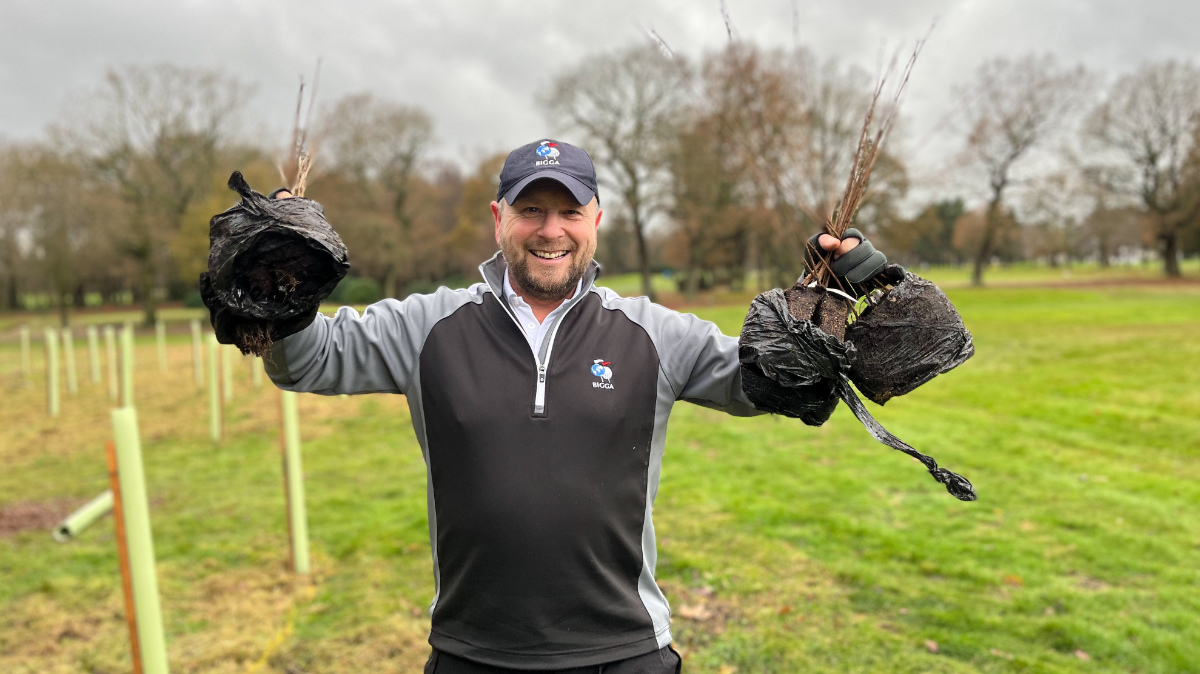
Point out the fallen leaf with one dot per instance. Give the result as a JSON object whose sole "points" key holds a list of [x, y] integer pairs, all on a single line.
{"points": [[1082, 655], [1001, 654], [785, 610], [931, 645], [697, 612], [1013, 579], [1027, 526], [727, 669], [903, 611]]}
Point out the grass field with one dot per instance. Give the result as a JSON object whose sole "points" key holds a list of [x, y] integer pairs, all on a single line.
{"points": [[783, 548]]}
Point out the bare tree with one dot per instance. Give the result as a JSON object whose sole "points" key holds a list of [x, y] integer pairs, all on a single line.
{"points": [[13, 223], [792, 125], [472, 239], [1012, 108], [624, 105], [1146, 123], [155, 135], [63, 218], [706, 203], [376, 145]]}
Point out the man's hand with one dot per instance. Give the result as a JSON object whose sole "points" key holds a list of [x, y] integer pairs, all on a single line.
{"points": [[285, 193], [839, 248], [856, 263]]}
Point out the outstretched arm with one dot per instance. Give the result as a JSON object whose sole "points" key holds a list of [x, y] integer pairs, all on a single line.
{"points": [[376, 352], [700, 362]]}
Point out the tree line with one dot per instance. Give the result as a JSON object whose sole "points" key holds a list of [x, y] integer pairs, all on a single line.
{"points": [[717, 167]]}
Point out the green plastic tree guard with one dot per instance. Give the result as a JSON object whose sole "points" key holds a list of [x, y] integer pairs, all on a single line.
{"points": [[25, 366], [136, 511], [227, 351], [293, 471], [110, 352], [127, 366], [68, 346], [93, 339], [87, 515], [214, 390], [197, 355], [256, 371], [52, 373], [160, 340]]}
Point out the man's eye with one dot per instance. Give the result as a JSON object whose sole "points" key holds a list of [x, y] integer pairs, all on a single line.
{"points": [[532, 209]]}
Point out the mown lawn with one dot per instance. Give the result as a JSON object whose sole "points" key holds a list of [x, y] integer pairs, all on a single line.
{"points": [[783, 548]]}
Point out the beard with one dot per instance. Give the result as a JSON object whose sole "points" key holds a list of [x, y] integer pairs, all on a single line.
{"points": [[541, 286]]}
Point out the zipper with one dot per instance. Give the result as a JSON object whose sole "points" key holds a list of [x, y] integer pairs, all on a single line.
{"points": [[539, 398], [542, 363]]}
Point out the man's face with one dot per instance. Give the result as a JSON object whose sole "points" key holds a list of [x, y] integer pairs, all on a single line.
{"points": [[547, 239]]}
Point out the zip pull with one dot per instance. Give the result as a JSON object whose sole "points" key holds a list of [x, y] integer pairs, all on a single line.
{"points": [[539, 397]]}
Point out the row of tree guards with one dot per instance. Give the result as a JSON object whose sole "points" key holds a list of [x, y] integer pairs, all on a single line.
{"points": [[119, 359], [127, 497]]}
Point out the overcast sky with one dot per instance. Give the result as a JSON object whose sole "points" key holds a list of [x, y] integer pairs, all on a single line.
{"points": [[476, 65]]}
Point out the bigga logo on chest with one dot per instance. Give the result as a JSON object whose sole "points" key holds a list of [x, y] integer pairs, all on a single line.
{"points": [[601, 369]]}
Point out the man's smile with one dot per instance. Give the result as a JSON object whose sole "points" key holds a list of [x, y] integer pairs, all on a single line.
{"points": [[549, 254]]}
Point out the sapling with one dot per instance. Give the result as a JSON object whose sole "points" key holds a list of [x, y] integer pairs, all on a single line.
{"points": [[799, 350]]}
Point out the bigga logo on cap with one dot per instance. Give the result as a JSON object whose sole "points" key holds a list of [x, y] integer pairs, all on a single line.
{"points": [[548, 151]]}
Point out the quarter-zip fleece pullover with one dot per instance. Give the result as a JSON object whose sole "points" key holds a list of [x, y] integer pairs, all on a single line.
{"points": [[542, 466]]}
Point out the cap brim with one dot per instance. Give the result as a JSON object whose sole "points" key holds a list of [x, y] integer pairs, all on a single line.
{"points": [[582, 193]]}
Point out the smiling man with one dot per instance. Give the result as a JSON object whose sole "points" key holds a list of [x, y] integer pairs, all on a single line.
{"points": [[540, 401]]}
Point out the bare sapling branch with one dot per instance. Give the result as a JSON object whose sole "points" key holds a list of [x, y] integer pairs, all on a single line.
{"points": [[865, 156], [302, 149]]}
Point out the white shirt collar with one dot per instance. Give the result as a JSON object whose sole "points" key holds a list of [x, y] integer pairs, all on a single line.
{"points": [[515, 300]]}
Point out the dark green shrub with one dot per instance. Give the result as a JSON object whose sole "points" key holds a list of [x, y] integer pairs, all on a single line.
{"points": [[356, 290]]}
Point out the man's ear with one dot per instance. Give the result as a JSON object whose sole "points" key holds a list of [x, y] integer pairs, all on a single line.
{"points": [[496, 217], [599, 214]]}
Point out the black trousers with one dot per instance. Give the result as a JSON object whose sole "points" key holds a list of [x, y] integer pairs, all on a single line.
{"points": [[665, 661]]}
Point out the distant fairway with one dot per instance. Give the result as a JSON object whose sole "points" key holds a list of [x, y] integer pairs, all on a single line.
{"points": [[783, 548]]}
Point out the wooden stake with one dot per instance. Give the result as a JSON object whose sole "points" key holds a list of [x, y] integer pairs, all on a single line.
{"points": [[123, 557]]}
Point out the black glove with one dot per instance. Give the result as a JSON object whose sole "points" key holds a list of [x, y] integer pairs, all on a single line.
{"points": [[858, 269]]}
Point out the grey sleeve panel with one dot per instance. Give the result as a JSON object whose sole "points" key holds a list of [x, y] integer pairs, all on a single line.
{"points": [[700, 363], [373, 353]]}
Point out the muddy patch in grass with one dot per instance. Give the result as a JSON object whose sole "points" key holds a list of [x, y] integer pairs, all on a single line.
{"points": [[35, 515]]}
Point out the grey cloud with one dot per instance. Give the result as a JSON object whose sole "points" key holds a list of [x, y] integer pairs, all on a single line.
{"points": [[477, 65]]}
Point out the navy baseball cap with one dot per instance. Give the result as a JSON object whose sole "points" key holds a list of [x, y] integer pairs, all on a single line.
{"points": [[566, 164]]}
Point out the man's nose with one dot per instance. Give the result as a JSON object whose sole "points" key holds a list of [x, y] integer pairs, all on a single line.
{"points": [[553, 226]]}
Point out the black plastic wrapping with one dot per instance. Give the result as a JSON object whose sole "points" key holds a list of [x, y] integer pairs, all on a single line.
{"points": [[792, 367], [271, 263], [911, 335], [789, 366]]}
